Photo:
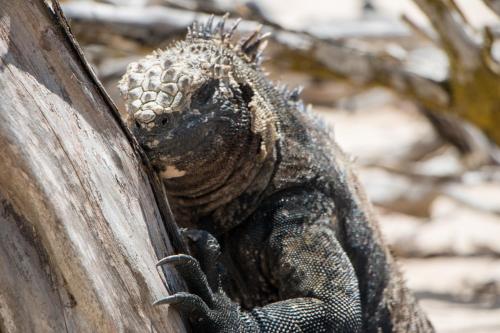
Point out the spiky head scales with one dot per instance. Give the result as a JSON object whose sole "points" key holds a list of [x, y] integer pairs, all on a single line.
{"points": [[165, 83], [162, 82]]}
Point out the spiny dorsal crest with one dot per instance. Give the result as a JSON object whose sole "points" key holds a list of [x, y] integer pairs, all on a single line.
{"points": [[250, 47]]}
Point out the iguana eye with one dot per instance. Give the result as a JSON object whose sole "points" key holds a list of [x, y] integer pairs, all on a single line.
{"points": [[203, 95]]}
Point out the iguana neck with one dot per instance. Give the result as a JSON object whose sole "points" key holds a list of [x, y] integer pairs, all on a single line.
{"points": [[231, 192]]}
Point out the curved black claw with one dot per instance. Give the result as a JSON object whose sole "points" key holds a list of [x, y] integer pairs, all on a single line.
{"points": [[196, 280], [186, 302], [208, 311]]}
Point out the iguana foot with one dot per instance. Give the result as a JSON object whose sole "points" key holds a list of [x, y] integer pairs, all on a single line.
{"points": [[208, 311]]}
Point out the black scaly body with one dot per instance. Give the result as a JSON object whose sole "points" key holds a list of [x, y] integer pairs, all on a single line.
{"points": [[283, 236]]}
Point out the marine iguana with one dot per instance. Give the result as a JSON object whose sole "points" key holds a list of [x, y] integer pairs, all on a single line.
{"points": [[284, 238]]}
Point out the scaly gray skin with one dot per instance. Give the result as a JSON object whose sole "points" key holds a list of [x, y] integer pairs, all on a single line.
{"points": [[244, 161]]}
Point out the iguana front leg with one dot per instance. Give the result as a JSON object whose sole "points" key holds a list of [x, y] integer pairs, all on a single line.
{"points": [[316, 282]]}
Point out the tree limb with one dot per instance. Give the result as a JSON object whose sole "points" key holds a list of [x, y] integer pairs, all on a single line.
{"points": [[494, 5], [457, 36]]}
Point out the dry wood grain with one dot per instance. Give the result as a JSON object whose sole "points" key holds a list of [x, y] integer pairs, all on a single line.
{"points": [[80, 231]]}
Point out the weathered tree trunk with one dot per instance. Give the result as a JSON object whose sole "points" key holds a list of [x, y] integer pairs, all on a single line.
{"points": [[80, 231]]}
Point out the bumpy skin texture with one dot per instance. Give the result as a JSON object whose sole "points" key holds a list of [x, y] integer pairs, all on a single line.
{"points": [[283, 236]]}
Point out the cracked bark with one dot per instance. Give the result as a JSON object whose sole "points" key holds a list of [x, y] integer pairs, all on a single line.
{"points": [[80, 231]]}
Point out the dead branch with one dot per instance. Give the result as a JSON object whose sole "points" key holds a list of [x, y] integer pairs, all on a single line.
{"points": [[494, 5], [456, 35]]}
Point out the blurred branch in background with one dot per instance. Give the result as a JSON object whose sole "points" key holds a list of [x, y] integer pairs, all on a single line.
{"points": [[474, 75], [494, 5], [454, 74]]}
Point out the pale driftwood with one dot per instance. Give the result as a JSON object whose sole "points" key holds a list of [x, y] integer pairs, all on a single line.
{"points": [[154, 23], [319, 51], [293, 49], [151, 24], [494, 5], [80, 231]]}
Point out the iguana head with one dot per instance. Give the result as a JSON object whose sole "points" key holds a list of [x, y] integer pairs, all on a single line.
{"points": [[194, 108]]}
